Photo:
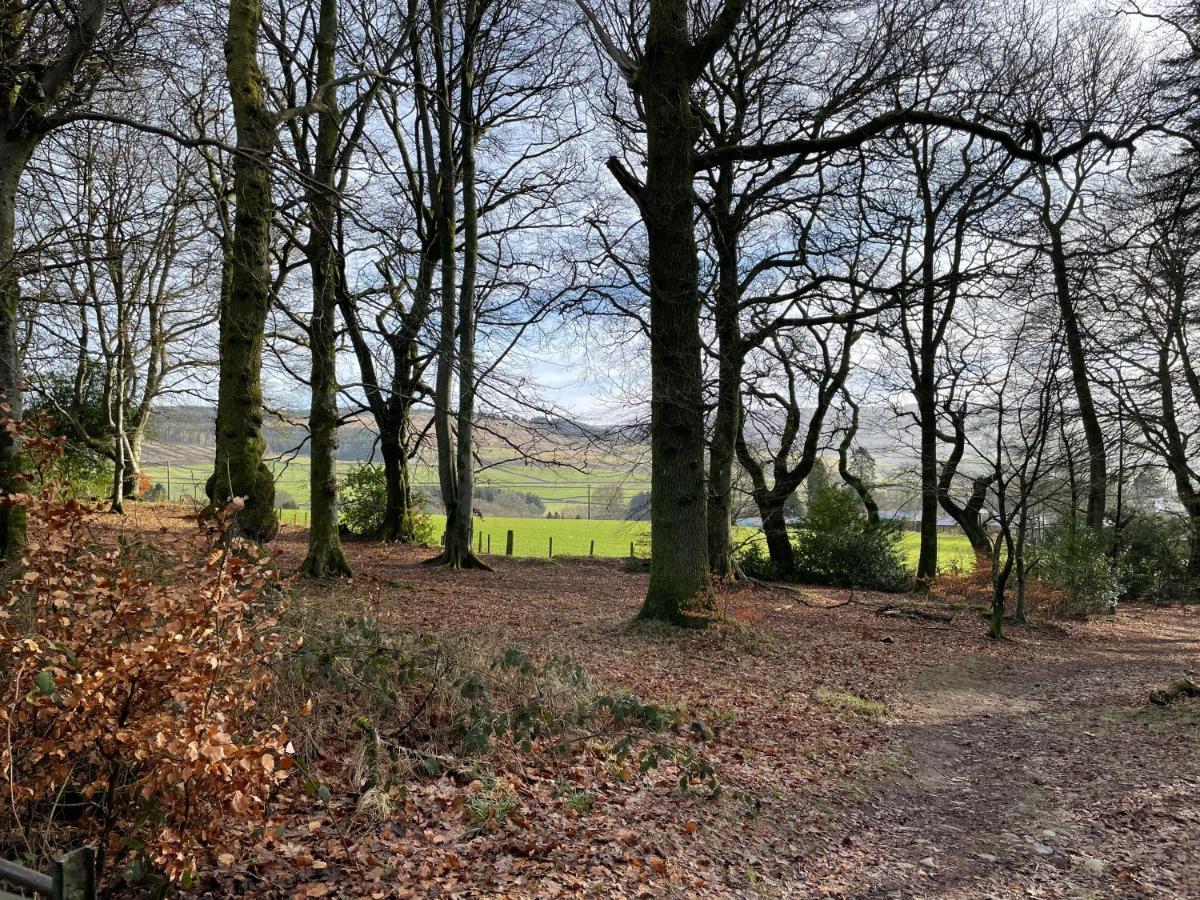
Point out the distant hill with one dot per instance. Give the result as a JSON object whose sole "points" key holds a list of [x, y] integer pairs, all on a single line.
{"points": [[185, 434]]}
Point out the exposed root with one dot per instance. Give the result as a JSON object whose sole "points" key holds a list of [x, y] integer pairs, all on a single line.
{"points": [[1177, 690]]}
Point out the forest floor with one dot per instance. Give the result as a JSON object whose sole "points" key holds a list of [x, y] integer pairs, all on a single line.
{"points": [[859, 754]]}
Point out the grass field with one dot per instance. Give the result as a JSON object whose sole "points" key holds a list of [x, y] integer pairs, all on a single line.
{"points": [[610, 538], [562, 490]]}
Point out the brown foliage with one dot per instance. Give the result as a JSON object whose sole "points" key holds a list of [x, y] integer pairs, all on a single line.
{"points": [[129, 674]]}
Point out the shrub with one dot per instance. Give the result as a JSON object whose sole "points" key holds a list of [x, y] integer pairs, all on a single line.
{"points": [[76, 471], [284, 500], [363, 503], [835, 545], [131, 674], [418, 703], [1153, 557], [1072, 560]]}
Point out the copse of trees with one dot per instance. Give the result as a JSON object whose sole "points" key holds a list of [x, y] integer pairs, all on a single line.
{"points": [[964, 225]]}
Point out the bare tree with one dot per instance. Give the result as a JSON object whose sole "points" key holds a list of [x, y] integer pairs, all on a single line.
{"points": [[42, 89], [1157, 373], [122, 284]]}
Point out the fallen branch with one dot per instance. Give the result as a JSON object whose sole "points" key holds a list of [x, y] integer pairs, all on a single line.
{"points": [[914, 612]]}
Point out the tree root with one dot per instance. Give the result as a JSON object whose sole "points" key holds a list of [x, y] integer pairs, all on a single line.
{"points": [[467, 561], [1182, 688]]}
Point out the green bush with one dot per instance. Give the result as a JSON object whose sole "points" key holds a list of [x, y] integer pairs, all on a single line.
{"points": [[418, 700], [835, 545], [1073, 560], [363, 502], [1153, 557]]}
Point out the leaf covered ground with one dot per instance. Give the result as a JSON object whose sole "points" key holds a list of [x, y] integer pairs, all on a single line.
{"points": [[857, 754]]}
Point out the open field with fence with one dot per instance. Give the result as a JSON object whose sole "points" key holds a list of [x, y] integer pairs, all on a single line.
{"points": [[534, 538], [567, 492]]}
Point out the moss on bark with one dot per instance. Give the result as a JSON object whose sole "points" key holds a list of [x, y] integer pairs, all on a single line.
{"points": [[239, 470]]}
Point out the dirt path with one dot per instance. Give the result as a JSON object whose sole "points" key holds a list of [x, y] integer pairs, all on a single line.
{"points": [[1039, 770]]}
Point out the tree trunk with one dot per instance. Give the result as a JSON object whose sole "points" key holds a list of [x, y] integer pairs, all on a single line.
{"points": [[996, 620], [1019, 614], [14, 155], [119, 461], [1092, 432], [926, 392], [967, 515], [927, 562], [726, 423], [1000, 573], [774, 525], [239, 470], [133, 460], [399, 511], [858, 485], [325, 556], [679, 575], [1193, 563], [453, 425]]}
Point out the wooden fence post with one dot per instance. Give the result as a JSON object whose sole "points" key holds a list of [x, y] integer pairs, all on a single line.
{"points": [[508, 547], [74, 875], [480, 542], [631, 549], [592, 548], [550, 553], [489, 543]]}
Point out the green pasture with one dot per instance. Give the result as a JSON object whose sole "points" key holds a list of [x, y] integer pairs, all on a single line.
{"points": [[563, 490], [611, 538]]}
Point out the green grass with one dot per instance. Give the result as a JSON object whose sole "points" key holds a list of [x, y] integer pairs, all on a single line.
{"points": [[850, 703], [574, 537], [563, 490]]}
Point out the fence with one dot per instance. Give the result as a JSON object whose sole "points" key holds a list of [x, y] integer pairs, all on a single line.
{"points": [[548, 538], [585, 499], [72, 877]]}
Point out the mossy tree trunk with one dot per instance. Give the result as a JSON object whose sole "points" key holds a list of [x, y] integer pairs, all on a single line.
{"points": [[926, 397], [14, 156], [670, 64], [1002, 550], [325, 555], [239, 470]]}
